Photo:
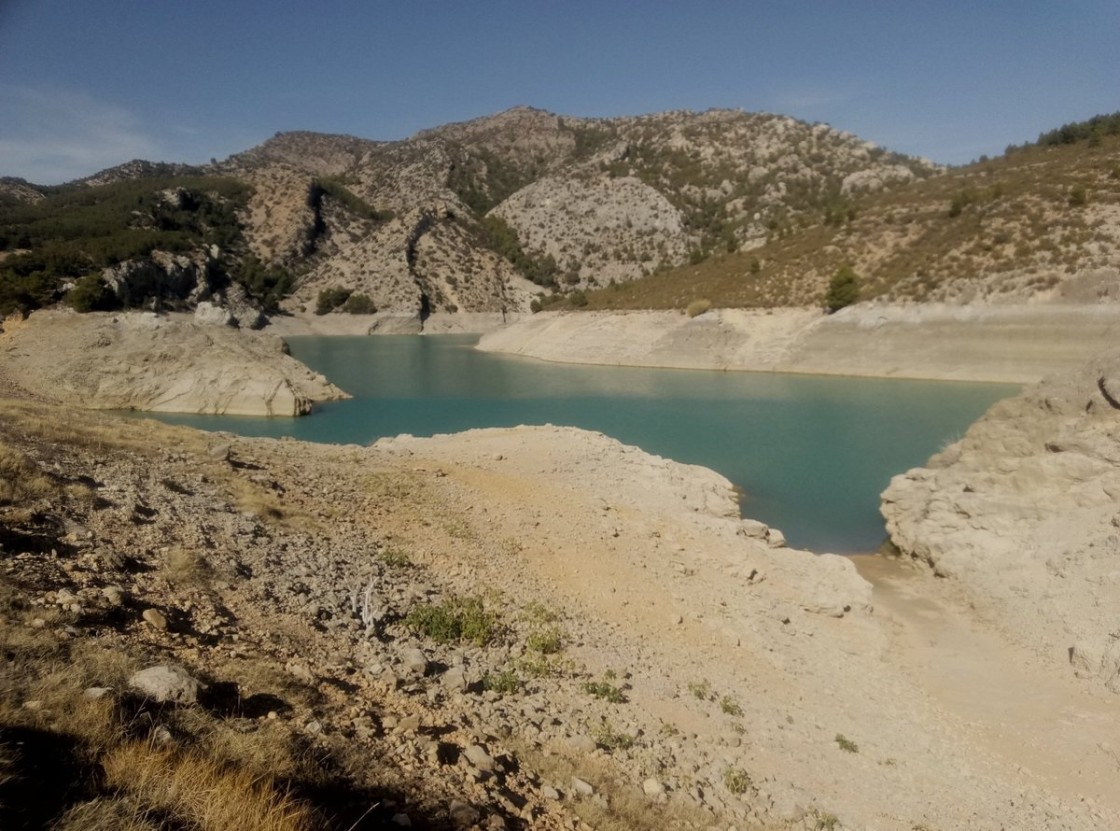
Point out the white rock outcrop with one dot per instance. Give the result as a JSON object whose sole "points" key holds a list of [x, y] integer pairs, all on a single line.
{"points": [[141, 361], [1024, 512]]}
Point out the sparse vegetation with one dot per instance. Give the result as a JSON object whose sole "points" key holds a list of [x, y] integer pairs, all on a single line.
{"points": [[605, 690], [455, 619], [730, 706], [846, 744], [608, 738], [737, 781]]}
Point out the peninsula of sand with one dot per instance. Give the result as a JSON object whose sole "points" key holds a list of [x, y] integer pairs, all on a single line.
{"points": [[649, 658]]}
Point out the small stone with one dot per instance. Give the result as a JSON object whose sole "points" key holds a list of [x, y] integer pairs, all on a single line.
{"points": [[455, 679], [33, 704], [65, 597], [161, 737], [220, 452], [581, 787], [478, 757], [402, 820], [652, 788], [582, 745], [408, 724], [38, 623], [414, 661], [94, 693], [314, 727], [677, 620], [775, 538], [155, 619], [114, 595], [549, 792]]}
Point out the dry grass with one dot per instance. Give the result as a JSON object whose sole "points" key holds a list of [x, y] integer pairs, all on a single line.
{"points": [[21, 480], [201, 791]]}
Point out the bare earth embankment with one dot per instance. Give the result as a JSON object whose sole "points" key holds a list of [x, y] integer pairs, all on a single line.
{"points": [[143, 361], [1013, 343]]}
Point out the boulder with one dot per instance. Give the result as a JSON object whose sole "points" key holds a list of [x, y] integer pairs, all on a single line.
{"points": [[166, 683]]}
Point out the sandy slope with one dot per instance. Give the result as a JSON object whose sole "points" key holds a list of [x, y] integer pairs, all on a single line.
{"points": [[935, 341]]}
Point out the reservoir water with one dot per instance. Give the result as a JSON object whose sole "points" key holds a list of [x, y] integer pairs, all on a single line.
{"points": [[810, 453]]}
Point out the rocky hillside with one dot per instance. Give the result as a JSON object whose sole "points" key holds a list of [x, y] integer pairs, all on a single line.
{"points": [[479, 216], [1039, 223]]}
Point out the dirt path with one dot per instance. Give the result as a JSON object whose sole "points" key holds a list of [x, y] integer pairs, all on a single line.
{"points": [[1063, 733]]}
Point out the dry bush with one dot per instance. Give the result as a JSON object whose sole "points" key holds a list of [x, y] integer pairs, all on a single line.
{"points": [[21, 480], [698, 307]]}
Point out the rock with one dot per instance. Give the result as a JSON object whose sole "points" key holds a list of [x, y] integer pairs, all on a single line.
{"points": [[95, 693], [478, 757], [775, 538], [155, 619], [462, 814], [220, 452], [455, 679], [114, 595], [652, 788], [582, 787], [208, 314], [408, 724], [166, 683], [414, 662], [549, 792], [401, 820]]}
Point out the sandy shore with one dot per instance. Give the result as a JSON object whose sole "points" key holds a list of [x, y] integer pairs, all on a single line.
{"points": [[1016, 344]]}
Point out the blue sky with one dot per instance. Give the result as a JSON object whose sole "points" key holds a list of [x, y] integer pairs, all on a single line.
{"points": [[86, 84]]}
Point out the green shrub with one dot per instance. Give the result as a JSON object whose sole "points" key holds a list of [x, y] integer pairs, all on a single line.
{"points": [[843, 289], [547, 641], [330, 299], [456, 619], [90, 294], [359, 304], [503, 683]]}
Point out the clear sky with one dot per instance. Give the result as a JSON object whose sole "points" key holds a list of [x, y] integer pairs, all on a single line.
{"points": [[86, 84]]}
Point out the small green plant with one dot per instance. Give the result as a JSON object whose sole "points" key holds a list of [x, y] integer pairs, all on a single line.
{"points": [[605, 690], [700, 689], [610, 739], [546, 641], [396, 557], [826, 821], [737, 780], [730, 706], [846, 744], [455, 619], [503, 683], [539, 613]]}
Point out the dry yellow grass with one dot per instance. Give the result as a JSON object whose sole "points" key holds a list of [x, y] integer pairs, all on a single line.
{"points": [[202, 791]]}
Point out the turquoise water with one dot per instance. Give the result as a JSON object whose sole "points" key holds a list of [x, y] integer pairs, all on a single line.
{"points": [[810, 453]]}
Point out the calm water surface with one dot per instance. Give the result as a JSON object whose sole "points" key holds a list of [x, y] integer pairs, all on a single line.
{"points": [[811, 454]]}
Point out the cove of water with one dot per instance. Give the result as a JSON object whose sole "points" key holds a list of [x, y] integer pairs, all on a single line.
{"points": [[810, 453]]}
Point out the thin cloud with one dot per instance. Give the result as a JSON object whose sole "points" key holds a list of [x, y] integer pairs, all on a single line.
{"points": [[48, 136]]}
